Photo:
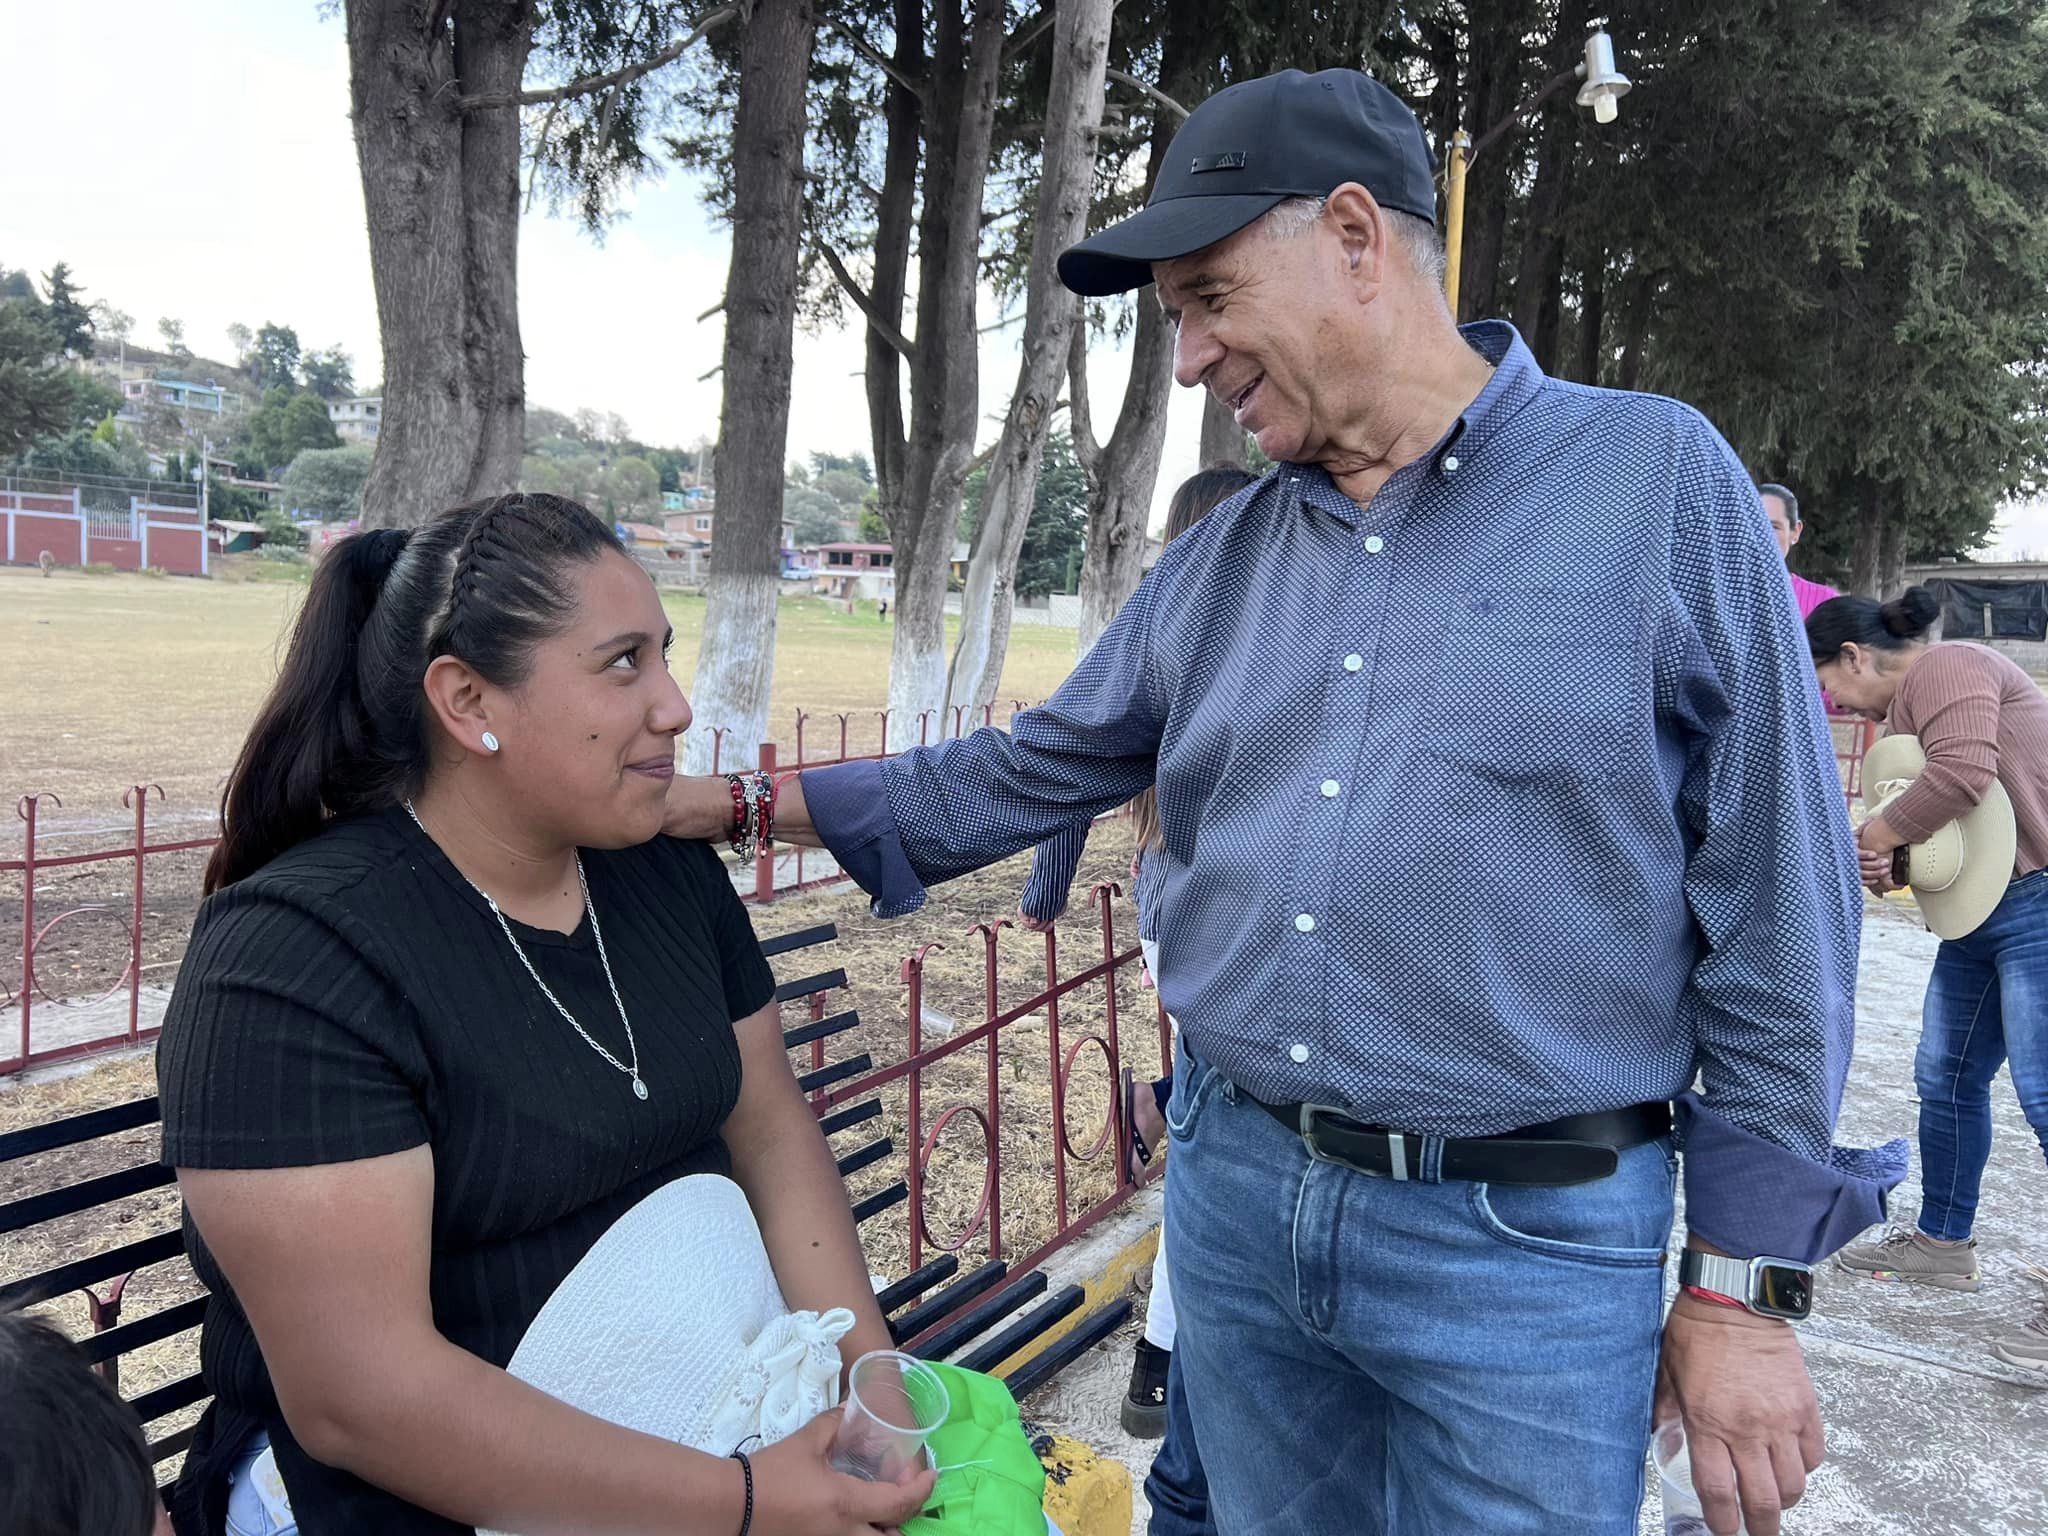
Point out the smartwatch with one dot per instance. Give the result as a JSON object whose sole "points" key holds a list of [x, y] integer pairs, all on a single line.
{"points": [[1777, 1288]]}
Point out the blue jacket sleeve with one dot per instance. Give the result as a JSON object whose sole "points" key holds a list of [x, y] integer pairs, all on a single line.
{"points": [[940, 811], [1052, 874], [1772, 885]]}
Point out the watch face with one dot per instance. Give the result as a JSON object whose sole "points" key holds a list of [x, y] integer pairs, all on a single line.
{"points": [[1782, 1290]]}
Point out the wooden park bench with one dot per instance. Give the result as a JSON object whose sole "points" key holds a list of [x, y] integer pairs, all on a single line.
{"points": [[977, 1319]]}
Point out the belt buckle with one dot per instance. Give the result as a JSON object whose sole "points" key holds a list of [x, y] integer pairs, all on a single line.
{"points": [[1397, 1147]]}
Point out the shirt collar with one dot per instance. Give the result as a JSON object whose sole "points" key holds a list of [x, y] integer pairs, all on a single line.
{"points": [[1515, 382]]}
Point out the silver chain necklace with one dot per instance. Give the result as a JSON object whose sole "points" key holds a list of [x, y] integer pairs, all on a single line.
{"points": [[631, 1069]]}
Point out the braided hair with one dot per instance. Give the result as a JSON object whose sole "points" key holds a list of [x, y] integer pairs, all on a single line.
{"points": [[345, 729]]}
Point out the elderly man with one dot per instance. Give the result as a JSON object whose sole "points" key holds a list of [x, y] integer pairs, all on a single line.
{"points": [[1497, 808], [1781, 510]]}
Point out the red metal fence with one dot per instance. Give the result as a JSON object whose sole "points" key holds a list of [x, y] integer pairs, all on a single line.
{"points": [[86, 1018]]}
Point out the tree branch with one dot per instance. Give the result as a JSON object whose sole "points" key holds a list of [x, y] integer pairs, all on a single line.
{"points": [[1027, 37], [714, 309], [1081, 422], [881, 61], [591, 84], [880, 323], [1157, 95]]}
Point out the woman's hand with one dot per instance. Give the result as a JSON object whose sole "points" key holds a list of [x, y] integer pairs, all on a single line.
{"points": [[797, 1492], [1875, 845]]}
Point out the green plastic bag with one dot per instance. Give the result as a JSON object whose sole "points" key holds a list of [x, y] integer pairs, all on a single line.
{"points": [[990, 1482]]}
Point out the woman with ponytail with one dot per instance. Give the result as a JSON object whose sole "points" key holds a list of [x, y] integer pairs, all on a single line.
{"points": [[1980, 720], [450, 1010]]}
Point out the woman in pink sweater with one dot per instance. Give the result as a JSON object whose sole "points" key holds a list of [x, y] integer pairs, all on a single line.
{"points": [[1980, 719]]}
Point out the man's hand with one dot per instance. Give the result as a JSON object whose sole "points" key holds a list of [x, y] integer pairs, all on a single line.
{"points": [[1032, 924], [1752, 1423]]}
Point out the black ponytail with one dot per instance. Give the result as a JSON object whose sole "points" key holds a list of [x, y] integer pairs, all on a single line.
{"points": [[344, 729], [1893, 626]]}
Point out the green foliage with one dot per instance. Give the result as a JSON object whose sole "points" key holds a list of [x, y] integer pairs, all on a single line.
{"points": [[69, 315], [39, 395], [328, 373], [83, 452], [328, 482], [813, 515], [237, 504], [1057, 535], [280, 429], [276, 358], [873, 529]]}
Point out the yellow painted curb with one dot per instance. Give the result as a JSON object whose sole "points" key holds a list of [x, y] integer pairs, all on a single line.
{"points": [[1098, 1291], [1085, 1494]]}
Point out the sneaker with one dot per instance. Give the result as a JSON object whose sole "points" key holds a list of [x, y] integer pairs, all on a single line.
{"points": [[1144, 1411], [2028, 1348], [1905, 1255]]}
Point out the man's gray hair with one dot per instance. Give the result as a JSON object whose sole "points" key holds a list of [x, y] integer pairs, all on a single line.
{"points": [[1769, 488], [1418, 237]]}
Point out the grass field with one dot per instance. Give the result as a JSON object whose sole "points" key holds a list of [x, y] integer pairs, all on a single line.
{"points": [[113, 680]]}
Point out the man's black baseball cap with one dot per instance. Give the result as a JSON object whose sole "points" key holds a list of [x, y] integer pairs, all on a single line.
{"points": [[1251, 147]]}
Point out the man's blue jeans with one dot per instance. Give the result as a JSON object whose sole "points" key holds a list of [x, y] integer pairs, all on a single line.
{"points": [[1987, 1005], [1406, 1358]]}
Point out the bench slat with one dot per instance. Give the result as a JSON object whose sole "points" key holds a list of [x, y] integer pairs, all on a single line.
{"points": [[805, 986], [880, 1201], [148, 1330], [90, 1271], [170, 1445], [83, 1196], [866, 1157], [845, 1119], [838, 1072], [916, 1283], [925, 1313], [182, 1393], [68, 1133], [970, 1326], [986, 1357], [801, 938], [820, 1029], [1042, 1367]]}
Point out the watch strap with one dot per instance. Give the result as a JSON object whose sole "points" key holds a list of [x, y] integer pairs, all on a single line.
{"points": [[1716, 1272]]}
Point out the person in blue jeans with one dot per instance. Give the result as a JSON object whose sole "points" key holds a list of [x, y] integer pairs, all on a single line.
{"points": [[1980, 720], [1155, 1403], [1505, 855]]}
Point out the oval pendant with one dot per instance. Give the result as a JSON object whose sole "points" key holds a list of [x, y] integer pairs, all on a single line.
{"points": [[639, 1089]]}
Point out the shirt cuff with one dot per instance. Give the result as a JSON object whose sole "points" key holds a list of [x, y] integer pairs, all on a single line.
{"points": [[849, 807], [1748, 1196]]}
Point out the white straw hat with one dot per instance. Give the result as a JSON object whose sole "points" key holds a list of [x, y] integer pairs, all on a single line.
{"points": [[1960, 873], [673, 1325]]}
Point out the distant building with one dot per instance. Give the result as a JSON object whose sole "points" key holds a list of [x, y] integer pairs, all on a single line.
{"points": [[357, 420], [179, 394]]}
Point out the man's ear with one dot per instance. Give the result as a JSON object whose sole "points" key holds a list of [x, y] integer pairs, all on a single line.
{"points": [[1362, 234]]}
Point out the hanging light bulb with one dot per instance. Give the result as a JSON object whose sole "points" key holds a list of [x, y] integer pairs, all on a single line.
{"points": [[1605, 85]]}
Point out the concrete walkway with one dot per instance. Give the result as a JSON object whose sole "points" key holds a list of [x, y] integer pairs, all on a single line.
{"points": [[1927, 1431]]}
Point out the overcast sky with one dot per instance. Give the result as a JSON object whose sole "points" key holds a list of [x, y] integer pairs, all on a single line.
{"points": [[194, 161]]}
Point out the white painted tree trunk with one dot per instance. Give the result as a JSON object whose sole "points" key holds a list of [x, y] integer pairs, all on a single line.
{"points": [[736, 662], [1122, 472], [1073, 115]]}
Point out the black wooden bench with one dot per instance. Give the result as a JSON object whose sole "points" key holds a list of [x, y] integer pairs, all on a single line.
{"points": [[977, 1319]]}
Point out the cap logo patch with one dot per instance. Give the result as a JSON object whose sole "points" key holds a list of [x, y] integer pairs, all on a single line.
{"points": [[1234, 161]]}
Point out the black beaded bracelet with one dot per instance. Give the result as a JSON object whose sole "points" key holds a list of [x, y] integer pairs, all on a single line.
{"points": [[746, 1471]]}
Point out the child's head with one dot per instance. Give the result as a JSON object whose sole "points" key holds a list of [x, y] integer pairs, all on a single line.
{"points": [[72, 1458]]}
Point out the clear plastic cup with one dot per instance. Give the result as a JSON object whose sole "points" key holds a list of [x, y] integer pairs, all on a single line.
{"points": [[1682, 1513], [893, 1403]]}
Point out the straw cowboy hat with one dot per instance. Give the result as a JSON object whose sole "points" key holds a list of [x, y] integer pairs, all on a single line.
{"points": [[1960, 873], [673, 1325]]}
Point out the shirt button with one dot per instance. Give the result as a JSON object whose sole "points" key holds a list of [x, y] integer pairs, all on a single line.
{"points": [[1305, 924], [1353, 662], [1297, 1053], [1450, 463], [1374, 544], [1330, 788]]}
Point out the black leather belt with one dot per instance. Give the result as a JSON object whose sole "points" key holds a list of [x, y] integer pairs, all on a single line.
{"points": [[1576, 1150]]}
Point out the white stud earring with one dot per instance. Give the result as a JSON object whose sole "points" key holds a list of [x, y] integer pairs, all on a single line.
{"points": [[490, 742]]}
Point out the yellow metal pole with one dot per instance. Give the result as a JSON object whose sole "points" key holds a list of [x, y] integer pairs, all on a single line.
{"points": [[1454, 216]]}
